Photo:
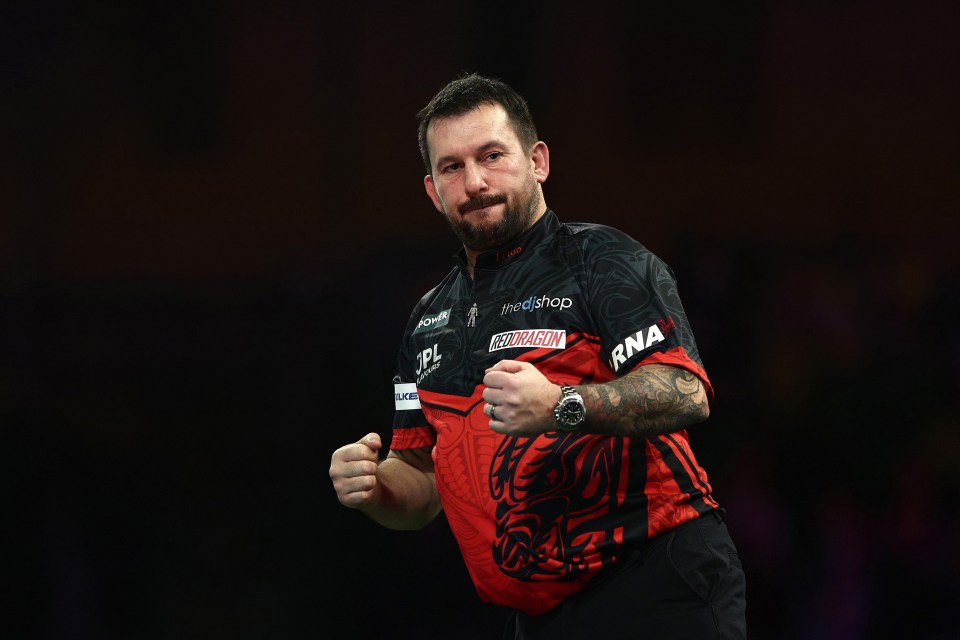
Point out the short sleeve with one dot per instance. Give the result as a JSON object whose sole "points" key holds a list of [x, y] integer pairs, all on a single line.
{"points": [[635, 303]]}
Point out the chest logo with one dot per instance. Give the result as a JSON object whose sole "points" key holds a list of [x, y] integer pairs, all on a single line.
{"points": [[534, 303], [433, 321], [540, 338], [428, 361]]}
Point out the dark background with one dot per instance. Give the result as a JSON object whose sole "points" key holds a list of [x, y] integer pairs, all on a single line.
{"points": [[213, 228]]}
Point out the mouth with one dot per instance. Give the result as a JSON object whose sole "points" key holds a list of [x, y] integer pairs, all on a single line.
{"points": [[479, 209], [480, 204]]}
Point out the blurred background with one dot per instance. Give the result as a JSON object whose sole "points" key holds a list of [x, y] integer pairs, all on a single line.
{"points": [[213, 227]]}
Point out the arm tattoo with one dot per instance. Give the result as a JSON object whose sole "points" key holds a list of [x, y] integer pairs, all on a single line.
{"points": [[649, 401]]}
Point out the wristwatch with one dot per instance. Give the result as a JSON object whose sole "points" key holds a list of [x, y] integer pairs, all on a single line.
{"points": [[569, 412]]}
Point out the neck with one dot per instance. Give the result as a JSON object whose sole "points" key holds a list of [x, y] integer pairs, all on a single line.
{"points": [[471, 260], [472, 254]]}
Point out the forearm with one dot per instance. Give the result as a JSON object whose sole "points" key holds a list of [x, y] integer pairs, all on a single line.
{"points": [[408, 497], [649, 401]]}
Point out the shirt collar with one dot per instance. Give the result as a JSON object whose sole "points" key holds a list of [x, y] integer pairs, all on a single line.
{"points": [[512, 251]]}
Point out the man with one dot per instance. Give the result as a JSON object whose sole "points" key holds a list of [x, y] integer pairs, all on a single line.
{"points": [[543, 389]]}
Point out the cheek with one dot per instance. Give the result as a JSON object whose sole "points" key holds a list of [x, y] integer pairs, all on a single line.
{"points": [[448, 196], [436, 196], [441, 204]]}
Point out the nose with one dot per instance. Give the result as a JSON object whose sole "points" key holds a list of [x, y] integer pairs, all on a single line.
{"points": [[474, 181]]}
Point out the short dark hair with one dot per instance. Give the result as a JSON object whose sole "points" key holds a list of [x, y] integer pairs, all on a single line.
{"points": [[468, 92]]}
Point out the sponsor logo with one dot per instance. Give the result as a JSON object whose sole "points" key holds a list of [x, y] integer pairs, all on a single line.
{"points": [[432, 322], [424, 360], [405, 396], [533, 303], [509, 254], [540, 338], [643, 339]]}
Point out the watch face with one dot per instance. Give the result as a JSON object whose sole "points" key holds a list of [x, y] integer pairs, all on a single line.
{"points": [[571, 412]]}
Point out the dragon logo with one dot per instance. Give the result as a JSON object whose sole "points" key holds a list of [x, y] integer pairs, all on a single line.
{"points": [[547, 517]]}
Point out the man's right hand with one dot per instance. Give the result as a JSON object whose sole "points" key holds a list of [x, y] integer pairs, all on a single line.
{"points": [[353, 469]]}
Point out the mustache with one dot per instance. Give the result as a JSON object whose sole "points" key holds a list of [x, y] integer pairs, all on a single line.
{"points": [[481, 202]]}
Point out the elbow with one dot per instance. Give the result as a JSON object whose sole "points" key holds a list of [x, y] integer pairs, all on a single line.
{"points": [[702, 403], [697, 407], [695, 414]]}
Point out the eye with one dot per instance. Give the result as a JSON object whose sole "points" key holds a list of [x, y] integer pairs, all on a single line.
{"points": [[494, 155], [449, 168]]}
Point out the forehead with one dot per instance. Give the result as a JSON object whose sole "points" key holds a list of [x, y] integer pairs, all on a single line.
{"points": [[468, 131]]}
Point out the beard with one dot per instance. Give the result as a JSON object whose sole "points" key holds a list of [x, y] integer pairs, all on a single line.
{"points": [[483, 235]]}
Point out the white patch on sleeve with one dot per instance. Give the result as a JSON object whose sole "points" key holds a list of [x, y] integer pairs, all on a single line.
{"points": [[405, 396]]}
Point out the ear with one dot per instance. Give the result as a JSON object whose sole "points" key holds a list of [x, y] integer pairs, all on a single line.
{"points": [[432, 192], [540, 156]]}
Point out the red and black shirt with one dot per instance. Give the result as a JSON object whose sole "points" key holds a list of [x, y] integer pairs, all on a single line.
{"points": [[536, 518]]}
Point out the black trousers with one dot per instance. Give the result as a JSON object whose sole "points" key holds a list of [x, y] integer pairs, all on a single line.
{"points": [[682, 585]]}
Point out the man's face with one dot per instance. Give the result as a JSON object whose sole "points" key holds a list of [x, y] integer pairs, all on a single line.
{"points": [[483, 181]]}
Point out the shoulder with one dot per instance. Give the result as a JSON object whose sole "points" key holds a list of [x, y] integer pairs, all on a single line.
{"points": [[427, 298], [593, 238]]}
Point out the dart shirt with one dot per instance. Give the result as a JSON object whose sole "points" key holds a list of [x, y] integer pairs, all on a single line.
{"points": [[537, 517]]}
